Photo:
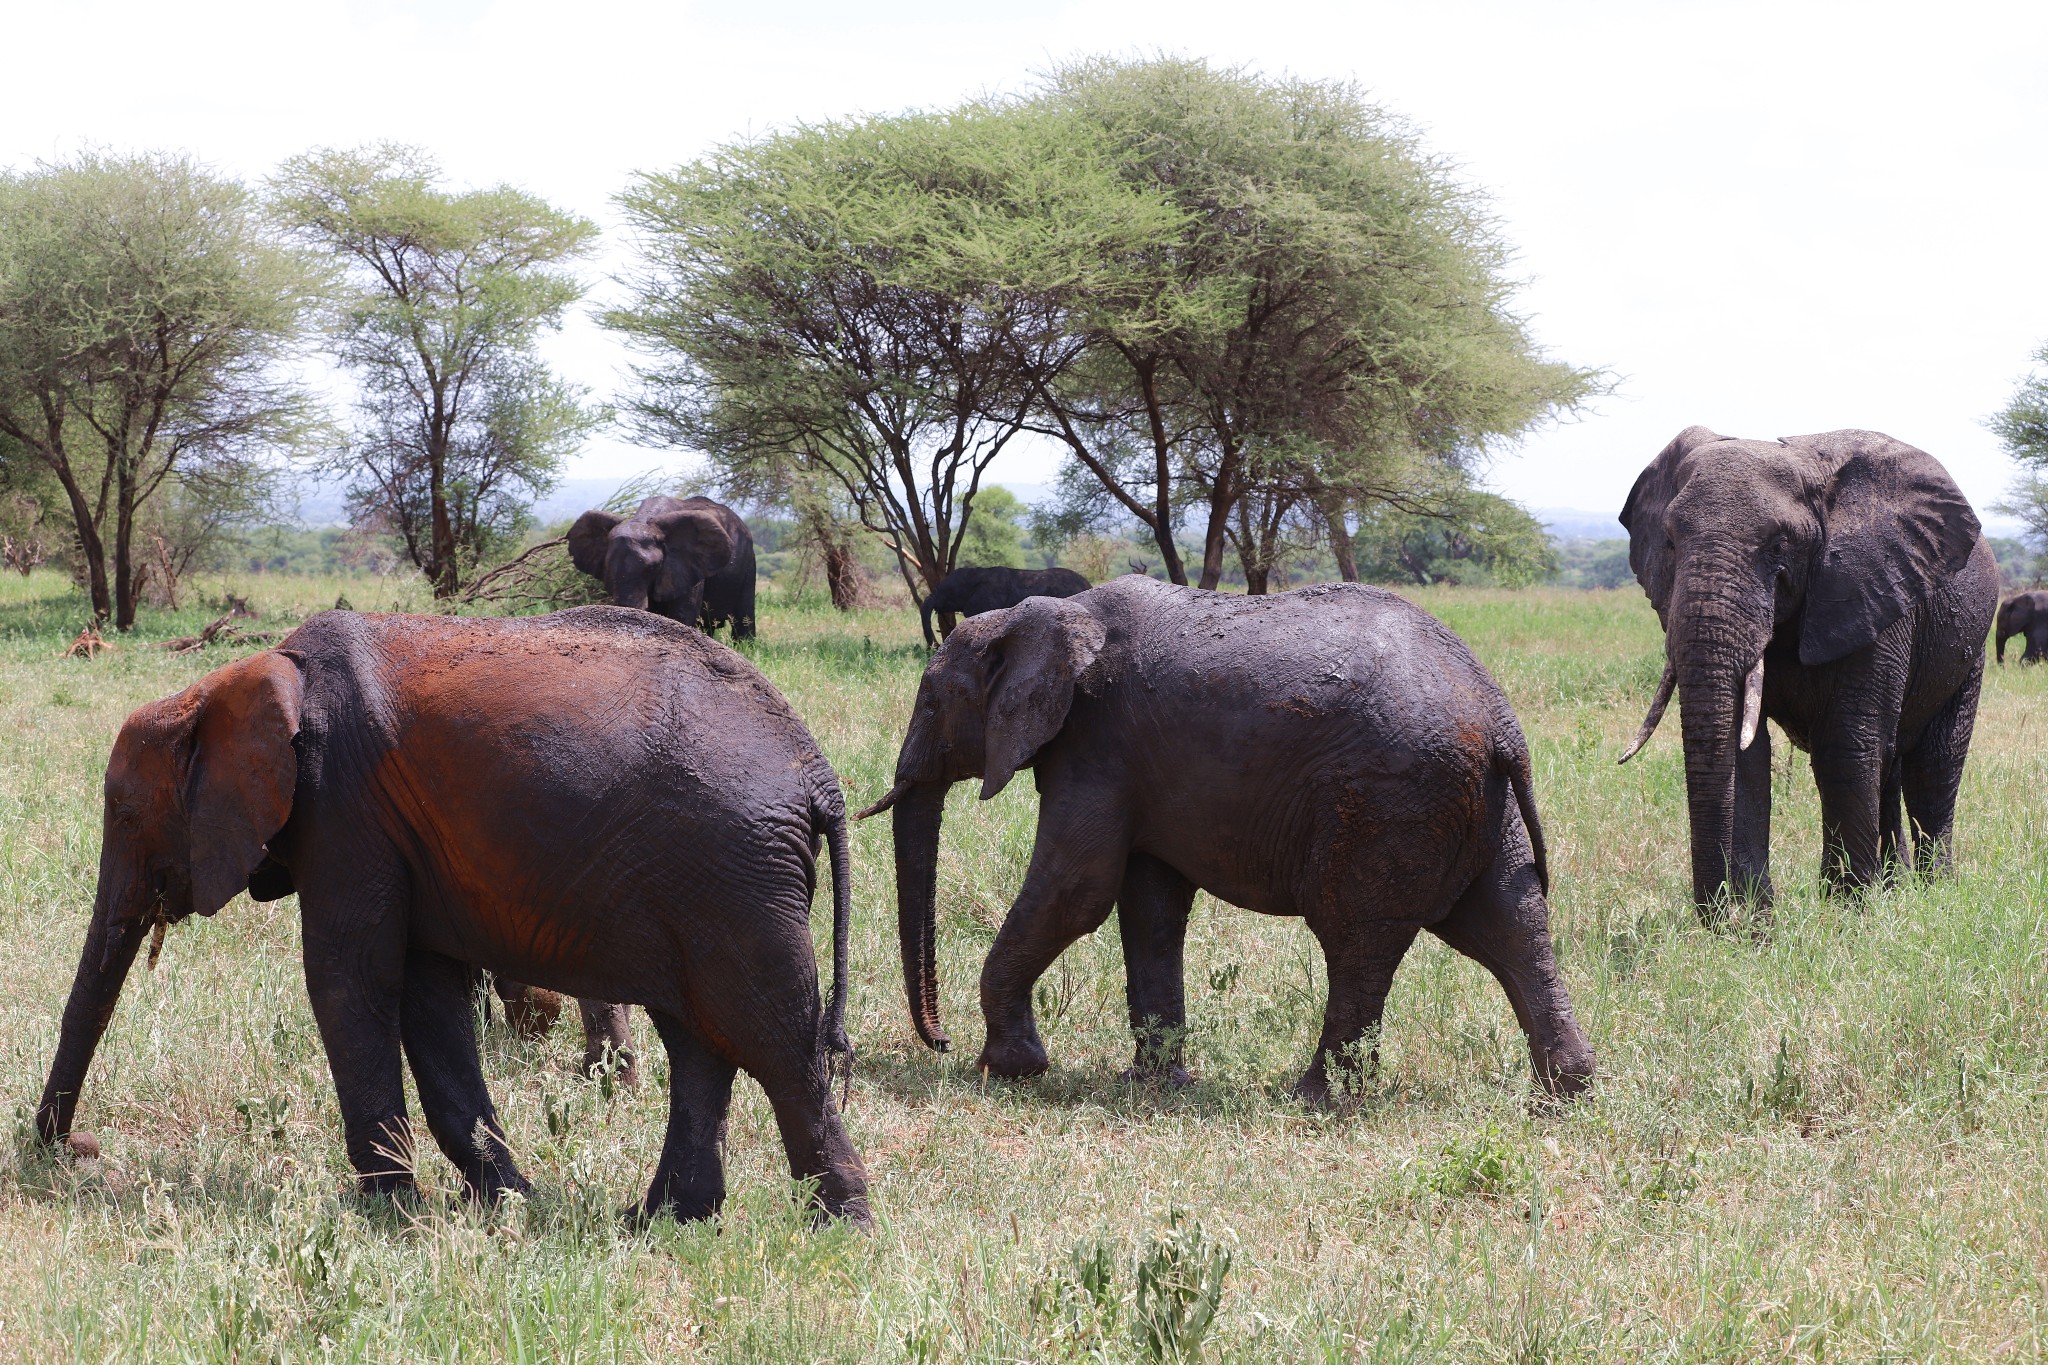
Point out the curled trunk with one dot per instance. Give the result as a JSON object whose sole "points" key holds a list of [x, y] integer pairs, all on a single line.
{"points": [[918, 812]]}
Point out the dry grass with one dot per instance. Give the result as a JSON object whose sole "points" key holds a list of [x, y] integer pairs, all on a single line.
{"points": [[1825, 1143]]}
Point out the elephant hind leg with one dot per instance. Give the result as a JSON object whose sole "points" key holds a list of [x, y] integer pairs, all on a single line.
{"points": [[1152, 919], [439, 1031], [689, 1181], [1932, 773], [1502, 922], [1361, 956]]}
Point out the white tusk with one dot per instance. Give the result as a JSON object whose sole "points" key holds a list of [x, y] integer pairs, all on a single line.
{"points": [[1663, 699], [1752, 702]]}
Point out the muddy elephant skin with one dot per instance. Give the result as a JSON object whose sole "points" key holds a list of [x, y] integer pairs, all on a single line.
{"points": [[1333, 753], [599, 802], [1839, 586]]}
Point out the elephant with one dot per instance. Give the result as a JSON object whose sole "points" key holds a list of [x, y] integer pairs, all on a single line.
{"points": [[600, 801], [1839, 585], [1333, 753], [2025, 614], [607, 1034], [971, 591], [689, 559]]}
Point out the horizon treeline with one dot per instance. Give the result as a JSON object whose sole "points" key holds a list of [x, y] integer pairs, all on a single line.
{"points": [[1262, 321]]}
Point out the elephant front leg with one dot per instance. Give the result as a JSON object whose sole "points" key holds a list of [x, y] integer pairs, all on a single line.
{"points": [[1152, 919], [1077, 867], [439, 1031], [355, 973]]}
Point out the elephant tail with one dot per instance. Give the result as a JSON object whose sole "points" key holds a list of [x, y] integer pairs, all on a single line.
{"points": [[1511, 760], [833, 817]]}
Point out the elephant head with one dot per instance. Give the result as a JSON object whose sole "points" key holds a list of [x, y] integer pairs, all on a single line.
{"points": [[2015, 617], [657, 559], [1819, 542], [996, 693], [197, 787]]}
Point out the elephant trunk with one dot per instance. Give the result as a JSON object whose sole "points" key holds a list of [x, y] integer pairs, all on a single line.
{"points": [[919, 811], [118, 929], [1720, 702]]}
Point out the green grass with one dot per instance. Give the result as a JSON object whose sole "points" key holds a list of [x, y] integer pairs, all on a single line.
{"points": [[1824, 1143]]}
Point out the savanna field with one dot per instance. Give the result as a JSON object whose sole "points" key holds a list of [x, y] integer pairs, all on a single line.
{"points": [[1824, 1140]]}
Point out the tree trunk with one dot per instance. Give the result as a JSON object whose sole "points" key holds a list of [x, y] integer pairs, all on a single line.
{"points": [[124, 553], [842, 566], [1334, 512], [1223, 498], [1162, 476], [90, 548]]}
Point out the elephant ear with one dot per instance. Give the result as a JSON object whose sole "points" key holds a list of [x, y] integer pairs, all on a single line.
{"points": [[1649, 551], [1035, 658], [694, 546], [242, 773], [1893, 526], [587, 540]]}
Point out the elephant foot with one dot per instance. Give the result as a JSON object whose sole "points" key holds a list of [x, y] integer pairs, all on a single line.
{"points": [[1172, 1075], [1561, 1077], [1013, 1059], [489, 1184]]}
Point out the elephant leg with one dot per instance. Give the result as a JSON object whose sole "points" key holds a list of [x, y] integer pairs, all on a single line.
{"points": [[1502, 922], [759, 1000], [439, 1032], [1891, 830], [689, 1180], [608, 1041], [1361, 958], [1152, 919], [1077, 868], [530, 1010], [354, 955], [1932, 774], [1749, 871]]}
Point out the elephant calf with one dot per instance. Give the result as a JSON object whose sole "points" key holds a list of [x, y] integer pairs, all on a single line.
{"points": [[971, 591], [1333, 753], [599, 802], [2025, 614]]}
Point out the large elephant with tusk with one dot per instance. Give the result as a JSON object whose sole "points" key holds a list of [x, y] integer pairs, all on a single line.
{"points": [[1839, 585]]}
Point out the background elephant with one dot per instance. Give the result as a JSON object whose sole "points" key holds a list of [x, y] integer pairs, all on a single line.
{"points": [[607, 1034], [972, 591], [689, 559], [1333, 753], [2025, 614], [444, 793], [1838, 585]]}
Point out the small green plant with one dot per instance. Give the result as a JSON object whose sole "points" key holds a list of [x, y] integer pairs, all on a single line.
{"points": [[1485, 1164], [1783, 1093], [1175, 1288], [1223, 980], [264, 1115]]}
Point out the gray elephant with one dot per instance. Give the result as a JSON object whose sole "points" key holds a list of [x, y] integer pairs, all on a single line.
{"points": [[2025, 614], [970, 591], [1332, 753], [1839, 585], [689, 559]]}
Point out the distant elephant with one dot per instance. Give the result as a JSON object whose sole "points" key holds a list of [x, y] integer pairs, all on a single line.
{"points": [[607, 1035], [1839, 585], [2025, 614], [1333, 753], [598, 801], [689, 559], [972, 591]]}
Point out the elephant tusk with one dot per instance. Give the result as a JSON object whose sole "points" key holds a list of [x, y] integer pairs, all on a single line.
{"points": [[1752, 702], [1663, 699], [889, 799]]}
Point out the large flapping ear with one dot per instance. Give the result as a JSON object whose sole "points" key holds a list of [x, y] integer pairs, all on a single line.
{"points": [[694, 546], [1893, 526], [587, 541], [1643, 514], [1034, 659], [243, 773]]}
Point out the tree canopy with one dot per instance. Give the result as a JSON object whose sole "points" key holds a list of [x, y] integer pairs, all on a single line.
{"points": [[146, 314], [442, 298], [2022, 428]]}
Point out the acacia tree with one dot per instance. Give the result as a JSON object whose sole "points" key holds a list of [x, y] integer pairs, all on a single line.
{"points": [[1327, 313], [2022, 428], [444, 296], [872, 302], [145, 317]]}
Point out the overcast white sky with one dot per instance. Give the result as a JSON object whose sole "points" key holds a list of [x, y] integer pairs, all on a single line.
{"points": [[1771, 218]]}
